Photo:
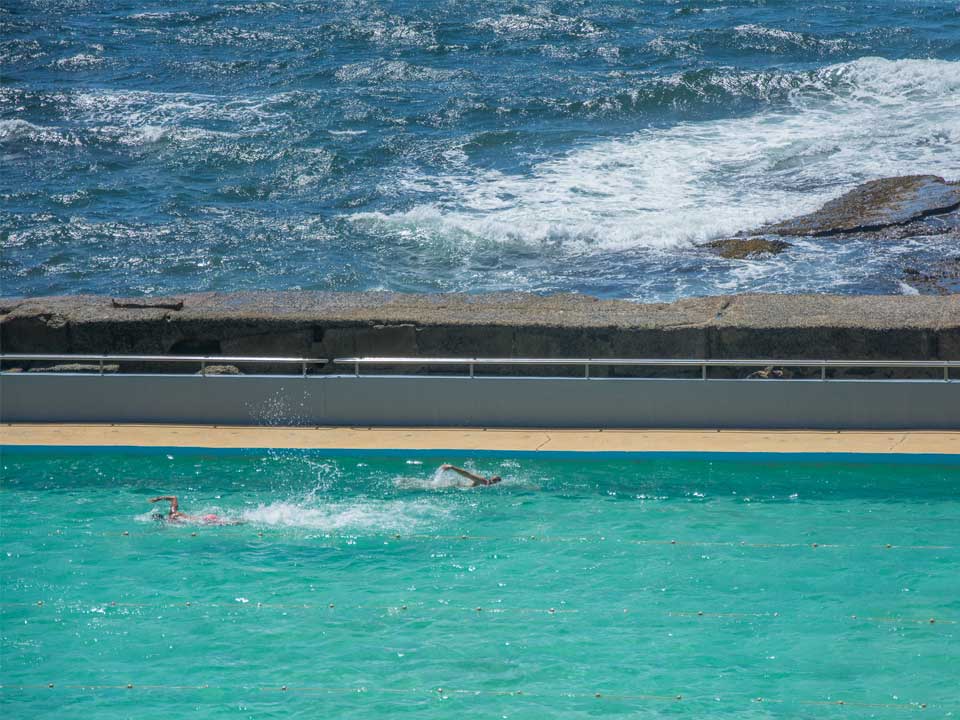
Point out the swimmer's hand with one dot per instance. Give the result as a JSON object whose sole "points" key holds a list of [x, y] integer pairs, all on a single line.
{"points": [[445, 466]]}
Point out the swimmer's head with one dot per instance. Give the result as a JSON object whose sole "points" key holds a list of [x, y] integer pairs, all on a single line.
{"points": [[158, 516], [495, 479]]}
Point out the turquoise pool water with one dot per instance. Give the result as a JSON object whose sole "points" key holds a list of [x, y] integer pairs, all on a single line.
{"points": [[371, 587]]}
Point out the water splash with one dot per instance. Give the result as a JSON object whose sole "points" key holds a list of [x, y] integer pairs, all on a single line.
{"points": [[440, 480], [353, 516]]}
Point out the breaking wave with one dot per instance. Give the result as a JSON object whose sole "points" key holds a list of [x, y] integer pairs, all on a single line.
{"points": [[661, 187]]}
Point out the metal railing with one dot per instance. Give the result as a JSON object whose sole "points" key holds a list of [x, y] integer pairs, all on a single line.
{"points": [[704, 365], [474, 362], [204, 360]]}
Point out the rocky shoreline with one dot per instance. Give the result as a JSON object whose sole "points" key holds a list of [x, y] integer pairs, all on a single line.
{"points": [[925, 326], [896, 208]]}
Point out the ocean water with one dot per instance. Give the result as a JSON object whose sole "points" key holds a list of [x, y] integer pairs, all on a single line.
{"points": [[440, 145], [373, 586]]}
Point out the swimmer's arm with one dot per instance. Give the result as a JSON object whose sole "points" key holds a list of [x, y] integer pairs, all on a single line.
{"points": [[477, 479], [171, 498]]}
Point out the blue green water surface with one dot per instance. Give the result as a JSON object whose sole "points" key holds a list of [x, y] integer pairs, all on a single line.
{"points": [[373, 587]]}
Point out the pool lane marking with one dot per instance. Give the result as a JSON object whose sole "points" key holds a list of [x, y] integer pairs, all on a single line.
{"points": [[446, 693], [490, 609]]}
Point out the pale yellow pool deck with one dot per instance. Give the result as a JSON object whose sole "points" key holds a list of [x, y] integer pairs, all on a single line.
{"points": [[546, 440]]}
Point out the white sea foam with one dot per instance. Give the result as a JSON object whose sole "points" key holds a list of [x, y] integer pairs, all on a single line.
{"points": [[666, 186], [356, 516], [906, 289]]}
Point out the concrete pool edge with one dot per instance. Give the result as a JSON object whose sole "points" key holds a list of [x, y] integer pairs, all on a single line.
{"points": [[887, 446]]}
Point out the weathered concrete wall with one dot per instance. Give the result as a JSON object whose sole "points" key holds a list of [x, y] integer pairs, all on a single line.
{"points": [[504, 325]]}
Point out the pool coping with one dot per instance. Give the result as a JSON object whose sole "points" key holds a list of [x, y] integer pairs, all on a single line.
{"points": [[882, 445]]}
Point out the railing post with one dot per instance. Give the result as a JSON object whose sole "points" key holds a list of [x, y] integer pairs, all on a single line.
{"points": [[946, 373], [303, 367], [356, 368], [100, 365], [703, 371], [203, 368], [586, 371], [471, 369], [823, 370]]}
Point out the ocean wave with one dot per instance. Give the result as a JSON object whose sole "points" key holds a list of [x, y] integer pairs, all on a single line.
{"points": [[17, 50], [157, 16], [542, 25], [758, 37], [378, 71], [143, 118], [673, 47], [81, 61], [695, 181], [390, 30], [24, 133], [241, 37]]}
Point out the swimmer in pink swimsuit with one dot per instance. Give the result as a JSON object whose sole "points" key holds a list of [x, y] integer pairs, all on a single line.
{"points": [[175, 516]]}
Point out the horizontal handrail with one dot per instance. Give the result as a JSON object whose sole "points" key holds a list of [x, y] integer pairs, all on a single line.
{"points": [[204, 360], [6, 357], [702, 364], [472, 362], [653, 362], [408, 360]]}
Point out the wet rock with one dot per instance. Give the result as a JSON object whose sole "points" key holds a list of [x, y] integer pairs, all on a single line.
{"points": [[943, 278], [874, 206], [742, 248]]}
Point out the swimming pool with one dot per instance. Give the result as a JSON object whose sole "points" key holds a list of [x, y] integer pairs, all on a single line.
{"points": [[367, 585]]}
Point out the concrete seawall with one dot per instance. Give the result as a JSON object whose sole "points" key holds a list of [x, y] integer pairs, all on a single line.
{"points": [[500, 325]]}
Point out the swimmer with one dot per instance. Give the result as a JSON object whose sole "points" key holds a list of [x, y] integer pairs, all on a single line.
{"points": [[175, 516], [473, 477]]}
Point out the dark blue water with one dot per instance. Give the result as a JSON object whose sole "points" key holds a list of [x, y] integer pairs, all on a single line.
{"points": [[435, 145]]}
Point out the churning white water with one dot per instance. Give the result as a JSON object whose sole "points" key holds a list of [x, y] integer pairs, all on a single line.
{"points": [[659, 187]]}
